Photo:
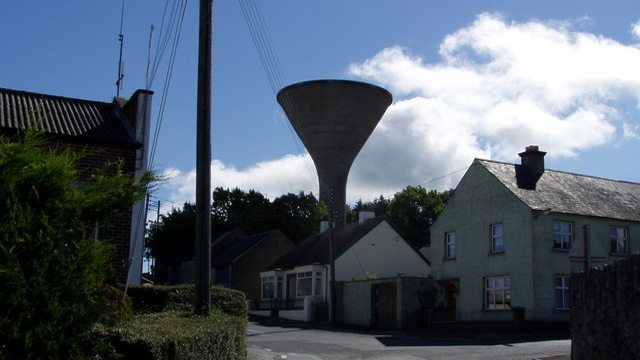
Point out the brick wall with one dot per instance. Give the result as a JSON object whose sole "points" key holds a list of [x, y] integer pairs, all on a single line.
{"points": [[117, 230], [605, 312]]}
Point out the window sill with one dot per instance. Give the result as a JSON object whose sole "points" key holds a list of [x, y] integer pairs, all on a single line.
{"points": [[497, 309], [561, 251], [496, 252], [450, 259], [618, 254]]}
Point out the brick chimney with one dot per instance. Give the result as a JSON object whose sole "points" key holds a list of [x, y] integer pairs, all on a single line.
{"points": [[533, 159]]}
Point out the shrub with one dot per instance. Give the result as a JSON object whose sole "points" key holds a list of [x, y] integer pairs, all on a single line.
{"points": [[173, 335], [50, 266], [147, 299]]}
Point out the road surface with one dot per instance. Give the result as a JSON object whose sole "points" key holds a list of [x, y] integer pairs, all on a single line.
{"points": [[269, 339]]}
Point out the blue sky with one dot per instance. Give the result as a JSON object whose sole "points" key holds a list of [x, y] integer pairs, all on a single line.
{"points": [[469, 79]]}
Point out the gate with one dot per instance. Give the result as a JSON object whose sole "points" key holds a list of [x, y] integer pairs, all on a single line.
{"points": [[384, 305]]}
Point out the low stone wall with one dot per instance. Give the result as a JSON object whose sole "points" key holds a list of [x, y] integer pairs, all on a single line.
{"points": [[605, 312]]}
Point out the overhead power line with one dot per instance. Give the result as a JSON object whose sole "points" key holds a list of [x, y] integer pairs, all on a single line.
{"points": [[262, 40]]}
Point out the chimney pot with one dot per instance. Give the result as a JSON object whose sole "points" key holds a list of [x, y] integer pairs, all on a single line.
{"points": [[533, 158], [365, 215]]}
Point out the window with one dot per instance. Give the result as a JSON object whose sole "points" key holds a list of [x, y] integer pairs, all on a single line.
{"points": [[562, 292], [309, 283], [450, 248], [562, 235], [268, 287], [498, 292], [618, 236], [497, 240], [272, 287]]}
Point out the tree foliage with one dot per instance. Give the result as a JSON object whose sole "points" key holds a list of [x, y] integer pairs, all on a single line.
{"points": [[297, 216], [414, 209], [176, 236], [50, 265]]}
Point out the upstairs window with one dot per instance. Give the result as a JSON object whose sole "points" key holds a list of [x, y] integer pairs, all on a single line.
{"points": [[562, 235], [497, 239], [618, 240], [450, 245]]}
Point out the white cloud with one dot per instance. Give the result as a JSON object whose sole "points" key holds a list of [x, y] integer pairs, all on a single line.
{"points": [[499, 87], [635, 29], [292, 173]]}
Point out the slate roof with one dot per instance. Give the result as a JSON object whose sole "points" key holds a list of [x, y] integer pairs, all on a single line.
{"points": [[315, 248], [238, 247], [568, 193], [67, 117]]}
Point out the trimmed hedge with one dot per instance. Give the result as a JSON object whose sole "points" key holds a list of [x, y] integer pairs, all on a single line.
{"points": [[148, 299], [173, 335], [166, 329]]}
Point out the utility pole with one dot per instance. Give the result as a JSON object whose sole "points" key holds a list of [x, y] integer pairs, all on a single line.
{"points": [[203, 163]]}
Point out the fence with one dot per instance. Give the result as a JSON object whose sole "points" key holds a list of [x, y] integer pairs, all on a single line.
{"points": [[605, 311], [277, 304], [301, 309]]}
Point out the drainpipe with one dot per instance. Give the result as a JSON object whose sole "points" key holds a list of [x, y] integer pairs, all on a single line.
{"points": [[586, 230]]}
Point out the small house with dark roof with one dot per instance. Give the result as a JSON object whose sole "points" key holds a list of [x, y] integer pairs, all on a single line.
{"points": [[369, 248], [106, 132], [238, 266], [512, 234], [236, 260], [180, 268]]}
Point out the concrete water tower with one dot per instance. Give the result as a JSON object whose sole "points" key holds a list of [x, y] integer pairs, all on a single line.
{"points": [[334, 119]]}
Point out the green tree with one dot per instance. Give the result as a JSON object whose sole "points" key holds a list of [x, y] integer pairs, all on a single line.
{"points": [[236, 208], [298, 216], [175, 236], [50, 265], [414, 209]]}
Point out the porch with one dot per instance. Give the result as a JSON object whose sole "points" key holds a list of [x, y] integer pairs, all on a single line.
{"points": [[308, 308]]}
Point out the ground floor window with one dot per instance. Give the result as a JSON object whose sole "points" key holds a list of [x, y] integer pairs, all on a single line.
{"points": [[497, 292], [309, 283], [272, 287], [562, 292], [268, 287]]}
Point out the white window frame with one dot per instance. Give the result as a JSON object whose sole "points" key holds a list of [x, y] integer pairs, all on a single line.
{"points": [[495, 238], [561, 292], [621, 236], [497, 293], [316, 282], [265, 281], [561, 236], [450, 251]]}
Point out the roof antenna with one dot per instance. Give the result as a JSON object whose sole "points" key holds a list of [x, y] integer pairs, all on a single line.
{"points": [[120, 62], [148, 83]]}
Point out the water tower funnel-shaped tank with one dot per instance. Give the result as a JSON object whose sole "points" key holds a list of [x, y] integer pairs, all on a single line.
{"points": [[334, 119]]}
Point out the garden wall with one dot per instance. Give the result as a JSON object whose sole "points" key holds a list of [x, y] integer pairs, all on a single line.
{"points": [[605, 311]]}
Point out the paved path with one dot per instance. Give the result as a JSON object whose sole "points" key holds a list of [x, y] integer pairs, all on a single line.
{"points": [[270, 339]]}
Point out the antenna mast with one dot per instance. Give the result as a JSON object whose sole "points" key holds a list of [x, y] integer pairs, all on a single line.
{"points": [[120, 62], [148, 84]]}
